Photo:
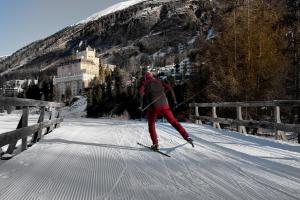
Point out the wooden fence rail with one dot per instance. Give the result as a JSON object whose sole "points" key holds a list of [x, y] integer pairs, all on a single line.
{"points": [[241, 124], [23, 131]]}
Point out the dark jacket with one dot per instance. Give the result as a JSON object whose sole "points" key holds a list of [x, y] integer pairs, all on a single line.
{"points": [[154, 91]]}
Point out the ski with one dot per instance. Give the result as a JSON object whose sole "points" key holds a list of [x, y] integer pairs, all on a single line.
{"points": [[157, 151], [7, 156]]}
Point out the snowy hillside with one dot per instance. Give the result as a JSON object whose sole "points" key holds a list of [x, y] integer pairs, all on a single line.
{"points": [[76, 109], [3, 58], [132, 29], [111, 9], [99, 159]]}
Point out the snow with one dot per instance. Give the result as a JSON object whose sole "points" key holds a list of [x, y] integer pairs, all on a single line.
{"points": [[10, 122], [210, 34], [111, 9], [99, 159], [192, 41], [3, 57], [77, 109], [22, 63]]}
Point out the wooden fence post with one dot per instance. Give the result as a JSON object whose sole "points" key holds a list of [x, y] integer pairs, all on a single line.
{"points": [[37, 136], [12, 145], [198, 121], [25, 124], [57, 117], [22, 123], [239, 114], [24, 131], [278, 121], [214, 115], [41, 119], [49, 128]]}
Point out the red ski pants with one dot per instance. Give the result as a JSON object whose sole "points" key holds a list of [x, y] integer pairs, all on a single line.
{"points": [[165, 111]]}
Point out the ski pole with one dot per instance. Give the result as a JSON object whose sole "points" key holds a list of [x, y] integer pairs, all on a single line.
{"points": [[180, 104], [155, 100]]}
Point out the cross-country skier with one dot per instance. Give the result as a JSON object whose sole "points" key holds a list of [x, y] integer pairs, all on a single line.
{"points": [[154, 90]]}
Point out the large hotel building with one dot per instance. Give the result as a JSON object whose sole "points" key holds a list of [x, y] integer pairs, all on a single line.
{"points": [[77, 73]]}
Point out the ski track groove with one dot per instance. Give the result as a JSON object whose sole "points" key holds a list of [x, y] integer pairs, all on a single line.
{"points": [[256, 179], [233, 157], [119, 142], [81, 169], [22, 180], [173, 178], [57, 183], [213, 176], [145, 176], [144, 179], [170, 131], [188, 171], [224, 183], [272, 150]]}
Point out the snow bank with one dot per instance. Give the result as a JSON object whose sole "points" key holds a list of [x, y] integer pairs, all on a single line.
{"points": [[76, 109]]}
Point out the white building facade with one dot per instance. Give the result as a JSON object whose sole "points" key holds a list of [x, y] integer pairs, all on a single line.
{"points": [[14, 87], [78, 73]]}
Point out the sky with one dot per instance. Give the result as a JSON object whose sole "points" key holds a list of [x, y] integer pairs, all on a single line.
{"points": [[25, 21]]}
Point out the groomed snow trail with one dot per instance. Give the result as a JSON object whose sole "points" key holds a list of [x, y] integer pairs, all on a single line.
{"points": [[97, 159]]}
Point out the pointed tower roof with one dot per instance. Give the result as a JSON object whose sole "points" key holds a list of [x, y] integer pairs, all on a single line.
{"points": [[89, 48]]}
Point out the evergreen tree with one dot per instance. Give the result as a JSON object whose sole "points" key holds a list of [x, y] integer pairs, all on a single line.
{"points": [[33, 91], [245, 61], [68, 93], [163, 12]]}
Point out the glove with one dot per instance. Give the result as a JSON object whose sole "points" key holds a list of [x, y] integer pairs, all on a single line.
{"points": [[140, 108]]}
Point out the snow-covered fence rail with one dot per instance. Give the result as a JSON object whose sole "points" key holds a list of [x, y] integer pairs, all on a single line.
{"points": [[23, 130], [241, 124]]}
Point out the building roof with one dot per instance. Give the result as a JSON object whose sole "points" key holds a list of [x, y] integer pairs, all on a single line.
{"points": [[90, 48]]}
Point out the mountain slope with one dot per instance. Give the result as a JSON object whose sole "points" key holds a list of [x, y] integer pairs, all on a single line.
{"points": [[111, 9], [137, 33], [3, 58]]}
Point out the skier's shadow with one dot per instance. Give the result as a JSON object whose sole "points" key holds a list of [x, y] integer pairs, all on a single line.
{"points": [[93, 144], [169, 150]]}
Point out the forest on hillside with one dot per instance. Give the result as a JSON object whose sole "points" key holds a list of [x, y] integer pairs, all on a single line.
{"points": [[249, 58]]}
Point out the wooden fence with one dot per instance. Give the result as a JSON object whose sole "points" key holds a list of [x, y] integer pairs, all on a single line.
{"points": [[241, 124], [23, 131]]}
